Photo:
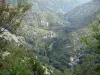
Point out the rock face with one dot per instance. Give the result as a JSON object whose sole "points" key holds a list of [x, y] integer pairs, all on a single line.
{"points": [[82, 15], [12, 37]]}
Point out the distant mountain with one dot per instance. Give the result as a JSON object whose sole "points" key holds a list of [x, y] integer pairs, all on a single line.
{"points": [[82, 15], [55, 5]]}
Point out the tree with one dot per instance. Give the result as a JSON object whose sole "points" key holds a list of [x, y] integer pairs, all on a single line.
{"points": [[90, 61], [11, 17], [3, 1], [15, 60]]}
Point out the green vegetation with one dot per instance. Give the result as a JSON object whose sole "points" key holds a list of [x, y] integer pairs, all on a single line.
{"points": [[16, 60], [39, 43], [11, 17], [90, 58]]}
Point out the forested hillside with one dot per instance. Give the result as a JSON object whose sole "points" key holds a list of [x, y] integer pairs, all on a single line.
{"points": [[49, 37], [82, 15]]}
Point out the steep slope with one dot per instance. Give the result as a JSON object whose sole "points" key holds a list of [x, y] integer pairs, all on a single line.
{"points": [[82, 15], [55, 5]]}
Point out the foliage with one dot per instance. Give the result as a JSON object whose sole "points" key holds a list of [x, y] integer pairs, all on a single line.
{"points": [[14, 59], [11, 16], [53, 51], [90, 62], [19, 62]]}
